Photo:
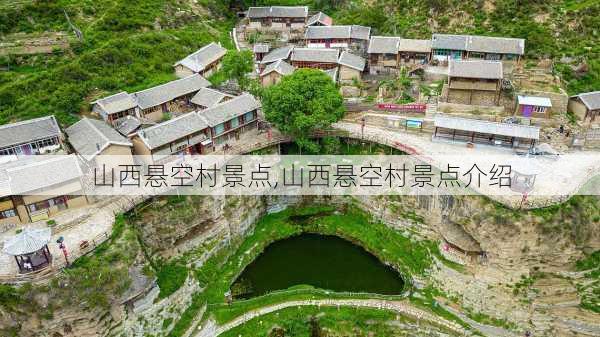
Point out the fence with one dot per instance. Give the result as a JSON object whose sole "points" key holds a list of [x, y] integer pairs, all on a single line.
{"points": [[58, 262]]}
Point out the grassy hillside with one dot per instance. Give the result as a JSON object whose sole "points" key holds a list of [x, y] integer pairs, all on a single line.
{"points": [[127, 45], [130, 45]]}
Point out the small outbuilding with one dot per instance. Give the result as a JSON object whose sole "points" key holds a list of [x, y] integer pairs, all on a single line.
{"points": [[533, 106], [586, 105], [274, 72]]}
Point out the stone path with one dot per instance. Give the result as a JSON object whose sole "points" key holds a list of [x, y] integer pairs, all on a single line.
{"points": [[557, 180], [210, 329]]}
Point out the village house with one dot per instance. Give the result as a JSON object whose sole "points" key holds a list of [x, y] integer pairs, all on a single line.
{"points": [[278, 54], [260, 50], [586, 106], [533, 106], [354, 37], [474, 82], [277, 17], [351, 67], [207, 98], [388, 53], [273, 72], [171, 97], [229, 119], [484, 132], [35, 188], [319, 19], [446, 47], [318, 58], [99, 145], [34, 136], [205, 61], [128, 125], [187, 134], [114, 107]]}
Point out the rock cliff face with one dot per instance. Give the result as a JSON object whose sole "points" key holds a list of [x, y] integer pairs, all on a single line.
{"points": [[531, 246]]}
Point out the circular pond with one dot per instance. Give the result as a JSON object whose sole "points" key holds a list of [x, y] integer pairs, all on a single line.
{"points": [[322, 261]]}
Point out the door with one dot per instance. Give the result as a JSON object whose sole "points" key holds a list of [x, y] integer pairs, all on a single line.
{"points": [[527, 110]]}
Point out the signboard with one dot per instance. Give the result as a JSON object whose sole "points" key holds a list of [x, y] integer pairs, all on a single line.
{"points": [[412, 107], [414, 123]]}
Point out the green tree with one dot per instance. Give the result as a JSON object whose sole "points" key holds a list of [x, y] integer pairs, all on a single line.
{"points": [[301, 103], [237, 65]]}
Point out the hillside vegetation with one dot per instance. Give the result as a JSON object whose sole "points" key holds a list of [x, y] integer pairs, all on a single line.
{"points": [[129, 45]]}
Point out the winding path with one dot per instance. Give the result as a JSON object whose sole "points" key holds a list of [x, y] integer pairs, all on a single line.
{"points": [[210, 329]]}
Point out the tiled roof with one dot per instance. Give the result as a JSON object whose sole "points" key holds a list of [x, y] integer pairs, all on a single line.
{"points": [[36, 173], [383, 45], [278, 12], [170, 90], [417, 46], [172, 130], [338, 32], [29, 240], [116, 103], [499, 45], [475, 125], [475, 69], [352, 61], [320, 18], [534, 100], [449, 41], [487, 44], [28, 131], [591, 99], [325, 55], [89, 137], [281, 67], [282, 53], [127, 125], [208, 97], [203, 57], [232, 108]]}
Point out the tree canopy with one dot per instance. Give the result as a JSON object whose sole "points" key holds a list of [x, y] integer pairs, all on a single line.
{"points": [[301, 103], [237, 65]]}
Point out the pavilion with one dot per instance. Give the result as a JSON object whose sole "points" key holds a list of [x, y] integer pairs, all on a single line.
{"points": [[30, 249]]}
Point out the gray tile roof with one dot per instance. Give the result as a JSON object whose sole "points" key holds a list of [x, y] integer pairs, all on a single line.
{"points": [[260, 48], [320, 18], [352, 61], [208, 97], [417, 46], [487, 44], [232, 108], [338, 32], [203, 57], [172, 130], [325, 55], [591, 99], [38, 172], [89, 137], [116, 103], [475, 69], [499, 45], [170, 90], [28, 131], [282, 53], [474, 125], [383, 45], [278, 12], [281, 67], [449, 41], [29, 240], [127, 125]]}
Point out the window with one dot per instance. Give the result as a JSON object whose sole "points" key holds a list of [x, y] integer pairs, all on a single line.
{"points": [[219, 129], [442, 52], [9, 213], [249, 116]]}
